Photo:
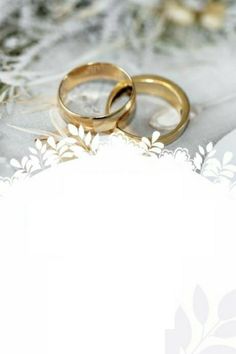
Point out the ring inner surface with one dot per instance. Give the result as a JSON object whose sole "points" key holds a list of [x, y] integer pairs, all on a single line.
{"points": [[90, 73], [168, 104], [163, 90]]}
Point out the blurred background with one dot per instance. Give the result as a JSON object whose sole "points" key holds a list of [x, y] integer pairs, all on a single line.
{"points": [[191, 42]]}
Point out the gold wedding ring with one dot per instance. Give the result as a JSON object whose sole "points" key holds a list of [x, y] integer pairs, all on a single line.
{"points": [[145, 84], [157, 86], [91, 72]]}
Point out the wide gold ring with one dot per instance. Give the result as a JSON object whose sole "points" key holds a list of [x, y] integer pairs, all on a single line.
{"points": [[91, 72], [161, 87]]}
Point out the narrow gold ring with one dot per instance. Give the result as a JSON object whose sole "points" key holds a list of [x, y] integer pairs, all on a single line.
{"points": [[161, 87], [91, 72]]}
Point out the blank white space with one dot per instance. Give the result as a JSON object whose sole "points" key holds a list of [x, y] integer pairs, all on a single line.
{"points": [[94, 255]]}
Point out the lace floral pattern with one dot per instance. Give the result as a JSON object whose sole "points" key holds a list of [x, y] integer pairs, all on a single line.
{"points": [[77, 143]]}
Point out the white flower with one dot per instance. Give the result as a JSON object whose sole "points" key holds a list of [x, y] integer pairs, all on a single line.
{"points": [[179, 14], [152, 146], [213, 16]]}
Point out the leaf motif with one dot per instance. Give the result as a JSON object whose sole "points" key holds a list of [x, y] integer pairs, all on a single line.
{"points": [[218, 349], [143, 146], [81, 132], [69, 140], [198, 161], [38, 144], [183, 328], [159, 145], [63, 149], [155, 136], [146, 141], [227, 157], [72, 129], [33, 151], [34, 168], [51, 142], [209, 147], [198, 157], [200, 305], [211, 153], [202, 151], [226, 330], [24, 161], [29, 165], [88, 139], [15, 163], [61, 143], [95, 142], [227, 306], [68, 155]]}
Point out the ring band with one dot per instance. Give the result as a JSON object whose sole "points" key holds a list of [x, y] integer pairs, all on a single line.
{"points": [[161, 87], [90, 72]]}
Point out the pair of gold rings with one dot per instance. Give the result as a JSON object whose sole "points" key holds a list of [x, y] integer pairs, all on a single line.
{"points": [[119, 118]]}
